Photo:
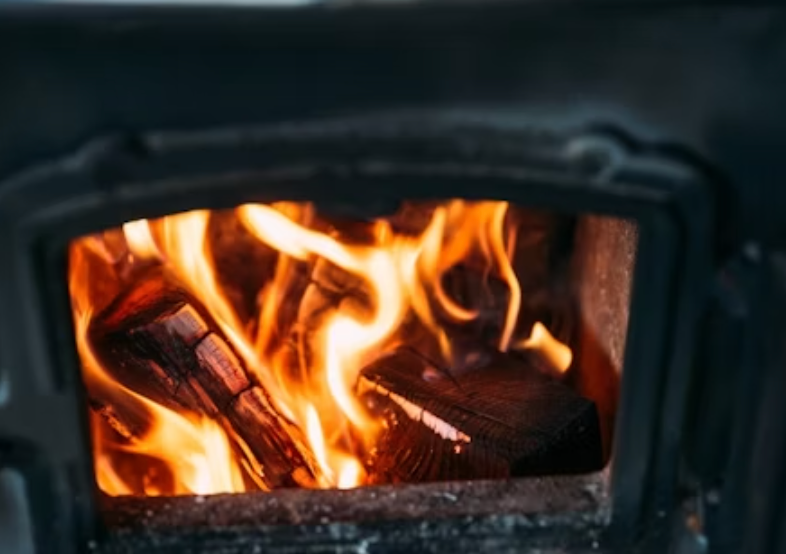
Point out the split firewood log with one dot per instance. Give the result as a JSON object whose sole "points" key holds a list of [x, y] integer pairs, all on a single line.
{"points": [[501, 420], [159, 341], [242, 262]]}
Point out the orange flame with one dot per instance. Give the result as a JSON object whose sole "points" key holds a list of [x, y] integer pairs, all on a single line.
{"points": [[396, 278], [140, 239], [205, 462], [559, 356], [197, 453]]}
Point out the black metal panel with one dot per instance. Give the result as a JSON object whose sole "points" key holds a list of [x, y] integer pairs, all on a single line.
{"points": [[764, 504], [710, 79], [359, 163]]}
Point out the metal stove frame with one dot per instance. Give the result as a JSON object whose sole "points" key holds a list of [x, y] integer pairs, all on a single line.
{"points": [[115, 114]]}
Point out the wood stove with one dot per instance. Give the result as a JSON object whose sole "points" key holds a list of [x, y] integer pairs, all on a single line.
{"points": [[286, 281]]}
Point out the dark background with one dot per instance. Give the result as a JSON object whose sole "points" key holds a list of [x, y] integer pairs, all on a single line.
{"points": [[709, 76]]}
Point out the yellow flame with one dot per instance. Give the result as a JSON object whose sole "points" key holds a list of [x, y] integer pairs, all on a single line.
{"points": [[107, 477], [495, 237], [559, 356], [140, 239], [205, 463], [350, 474], [317, 440], [185, 249], [345, 341]]}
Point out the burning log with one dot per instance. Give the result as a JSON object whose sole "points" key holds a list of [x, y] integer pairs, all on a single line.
{"points": [[158, 340], [329, 288], [477, 290], [502, 420], [333, 289]]}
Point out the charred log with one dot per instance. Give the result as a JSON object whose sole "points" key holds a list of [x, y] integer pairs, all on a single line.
{"points": [[158, 341], [241, 260], [506, 419]]}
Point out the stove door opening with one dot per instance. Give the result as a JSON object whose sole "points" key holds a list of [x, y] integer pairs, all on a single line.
{"points": [[282, 346]]}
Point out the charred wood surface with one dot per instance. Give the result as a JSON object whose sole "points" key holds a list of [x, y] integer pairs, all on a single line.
{"points": [[158, 341], [503, 419], [241, 260]]}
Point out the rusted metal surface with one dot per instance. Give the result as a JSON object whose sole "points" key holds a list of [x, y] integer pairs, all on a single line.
{"points": [[605, 258], [603, 275]]}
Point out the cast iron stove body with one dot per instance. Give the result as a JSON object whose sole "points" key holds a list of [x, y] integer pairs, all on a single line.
{"points": [[670, 115]]}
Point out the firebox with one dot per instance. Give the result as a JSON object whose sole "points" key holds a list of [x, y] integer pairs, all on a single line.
{"points": [[315, 351], [365, 328], [287, 281]]}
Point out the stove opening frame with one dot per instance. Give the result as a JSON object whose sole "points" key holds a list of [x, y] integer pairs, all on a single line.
{"points": [[360, 163]]}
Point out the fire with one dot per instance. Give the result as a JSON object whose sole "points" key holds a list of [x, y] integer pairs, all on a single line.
{"points": [[196, 451], [140, 239], [556, 354], [397, 278]]}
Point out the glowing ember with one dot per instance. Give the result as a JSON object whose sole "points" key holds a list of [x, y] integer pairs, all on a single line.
{"points": [[392, 279]]}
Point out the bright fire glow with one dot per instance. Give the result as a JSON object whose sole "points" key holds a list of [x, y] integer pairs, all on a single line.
{"points": [[556, 354], [140, 240], [397, 277], [197, 452]]}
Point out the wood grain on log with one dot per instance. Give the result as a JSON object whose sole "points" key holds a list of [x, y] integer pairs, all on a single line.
{"points": [[157, 340], [242, 262], [505, 419]]}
